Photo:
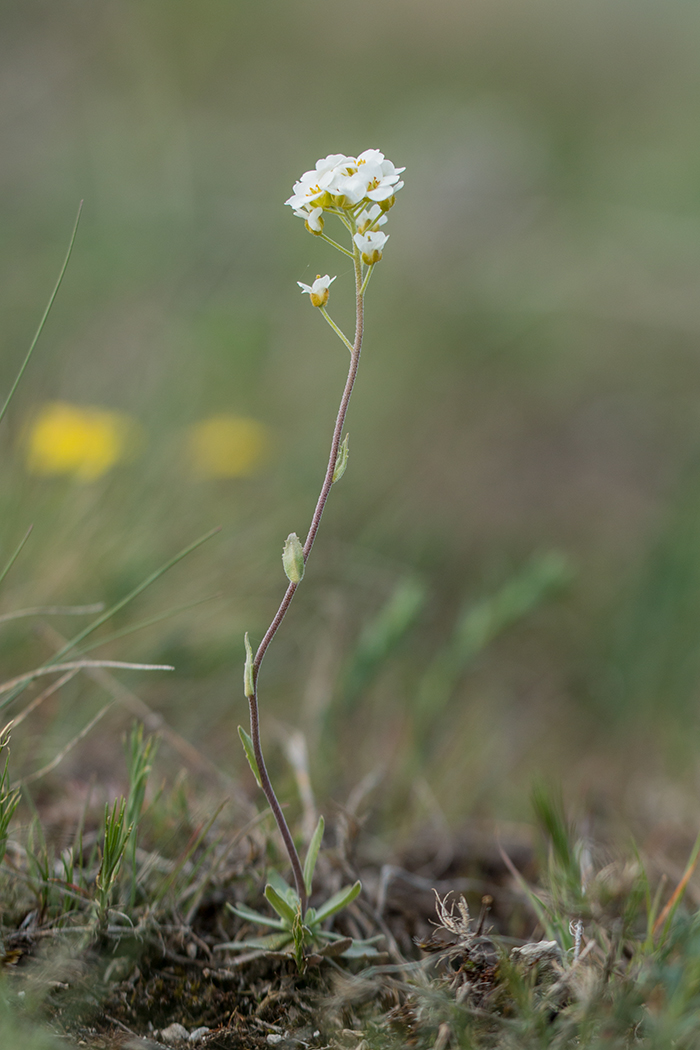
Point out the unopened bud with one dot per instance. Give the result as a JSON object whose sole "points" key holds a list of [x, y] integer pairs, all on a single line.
{"points": [[341, 460], [248, 675], [293, 558]]}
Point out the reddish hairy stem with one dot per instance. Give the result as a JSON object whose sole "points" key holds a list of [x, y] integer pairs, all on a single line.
{"points": [[289, 593]]}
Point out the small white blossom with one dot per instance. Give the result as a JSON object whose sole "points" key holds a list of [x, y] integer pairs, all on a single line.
{"points": [[319, 290], [314, 184], [313, 218], [382, 178], [370, 218], [371, 245]]}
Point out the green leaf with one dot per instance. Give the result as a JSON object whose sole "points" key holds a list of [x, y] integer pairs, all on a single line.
{"points": [[271, 943], [285, 911], [338, 901], [250, 754], [341, 460], [248, 670], [283, 888], [253, 916], [312, 855], [336, 948], [362, 950]]}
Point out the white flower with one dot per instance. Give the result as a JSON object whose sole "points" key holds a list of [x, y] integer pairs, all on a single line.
{"points": [[371, 245], [370, 218], [318, 291], [313, 218], [341, 181], [382, 178], [333, 161]]}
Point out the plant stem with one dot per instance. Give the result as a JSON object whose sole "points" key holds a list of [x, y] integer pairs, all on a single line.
{"points": [[289, 593], [338, 331]]}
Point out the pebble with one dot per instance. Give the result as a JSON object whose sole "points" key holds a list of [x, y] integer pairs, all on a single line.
{"points": [[198, 1034], [174, 1033]]}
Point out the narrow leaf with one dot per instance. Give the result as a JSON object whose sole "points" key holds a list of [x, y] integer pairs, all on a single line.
{"points": [[338, 901], [253, 916], [336, 948], [312, 855], [341, 461], [283, 887], [271, 943], [250, 753], [248, 671], [282, 907]]}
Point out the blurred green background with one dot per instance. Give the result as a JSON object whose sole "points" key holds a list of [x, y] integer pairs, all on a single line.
{"points": [[530, 383]]}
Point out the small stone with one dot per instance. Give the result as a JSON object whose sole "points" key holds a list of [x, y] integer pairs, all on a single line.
{"points": [[174, 1033], [275, 1040], [198, 1034]]}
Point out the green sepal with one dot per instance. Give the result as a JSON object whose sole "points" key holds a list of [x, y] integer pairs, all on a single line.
{"points": [[338, 901], [312, 855], [283, 908], [250, 754]]}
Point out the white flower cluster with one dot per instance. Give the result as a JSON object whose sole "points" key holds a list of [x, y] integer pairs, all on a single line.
{"points": [[362, 187]]}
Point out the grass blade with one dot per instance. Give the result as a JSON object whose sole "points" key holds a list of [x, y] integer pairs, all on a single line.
{"points": [[47, 311], [16, 554]]}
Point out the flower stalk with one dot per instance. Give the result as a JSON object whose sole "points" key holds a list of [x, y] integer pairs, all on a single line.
{"points": [[345, 187]]}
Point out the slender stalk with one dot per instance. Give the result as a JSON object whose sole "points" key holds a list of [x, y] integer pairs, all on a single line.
{"points": [[338, 331], [291, 589], [336, 245]]}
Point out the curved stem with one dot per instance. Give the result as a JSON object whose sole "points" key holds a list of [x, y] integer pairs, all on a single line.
{"points": [[289, 593]]}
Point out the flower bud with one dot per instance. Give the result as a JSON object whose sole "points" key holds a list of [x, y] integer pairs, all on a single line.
{"points": [[293, 558]]}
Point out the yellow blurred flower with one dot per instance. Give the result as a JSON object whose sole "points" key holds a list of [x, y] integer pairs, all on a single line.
{"points": [[228, 446], [74, 439]]}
